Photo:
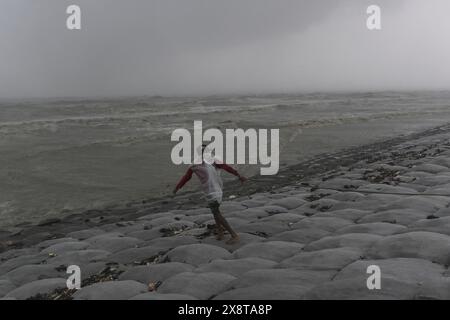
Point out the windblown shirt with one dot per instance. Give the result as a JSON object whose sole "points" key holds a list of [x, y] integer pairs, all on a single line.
{"points": [[209, 176]]}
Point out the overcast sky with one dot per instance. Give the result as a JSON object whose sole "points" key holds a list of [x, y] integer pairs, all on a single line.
{"points": [[199, 47]]}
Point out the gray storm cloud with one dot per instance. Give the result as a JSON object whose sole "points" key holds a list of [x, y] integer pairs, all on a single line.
{"points": [[184, 47]]}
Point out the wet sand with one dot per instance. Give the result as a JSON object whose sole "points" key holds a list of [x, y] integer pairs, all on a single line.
{"points": [[308, 233]]}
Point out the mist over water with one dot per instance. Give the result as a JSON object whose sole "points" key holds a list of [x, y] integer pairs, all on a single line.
{"points": [[203, 47], [74, 154], [220, 61]]}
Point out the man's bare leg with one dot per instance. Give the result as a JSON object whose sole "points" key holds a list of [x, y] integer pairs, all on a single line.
{"points": [[234, 237], [219, 228]]}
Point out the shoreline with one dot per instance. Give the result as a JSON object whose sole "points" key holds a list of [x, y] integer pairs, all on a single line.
{"points": [[287, 176], [310, 234], [68, 158]]}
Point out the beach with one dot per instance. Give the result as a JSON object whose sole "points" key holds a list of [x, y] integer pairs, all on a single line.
{"points": [[66, 156], [310, 232]]}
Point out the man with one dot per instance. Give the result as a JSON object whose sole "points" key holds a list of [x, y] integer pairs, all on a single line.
{"points": [[209, 177]]}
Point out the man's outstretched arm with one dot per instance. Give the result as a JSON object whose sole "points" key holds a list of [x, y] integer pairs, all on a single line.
{"points": [[183, 180], [229, 169]]}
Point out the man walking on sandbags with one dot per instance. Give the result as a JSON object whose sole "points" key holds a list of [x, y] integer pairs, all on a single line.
{"points": [[209, 176]]}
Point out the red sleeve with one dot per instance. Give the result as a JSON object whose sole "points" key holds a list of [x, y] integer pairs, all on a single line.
{"points": [[184, 179], [227, 168]]}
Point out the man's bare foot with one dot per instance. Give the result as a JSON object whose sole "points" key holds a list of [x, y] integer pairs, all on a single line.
{"points": [[233, 240]]}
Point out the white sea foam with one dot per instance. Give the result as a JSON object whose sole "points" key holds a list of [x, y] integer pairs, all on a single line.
{"points": [[72, 154]]}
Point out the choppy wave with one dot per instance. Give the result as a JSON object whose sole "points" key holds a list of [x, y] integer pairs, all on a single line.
{"points": [[157, 123], [315, 123], [127, 117], [61, 149]]}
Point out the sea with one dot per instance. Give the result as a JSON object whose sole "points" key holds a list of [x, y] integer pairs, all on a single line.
{"points": [[65, 155]]}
